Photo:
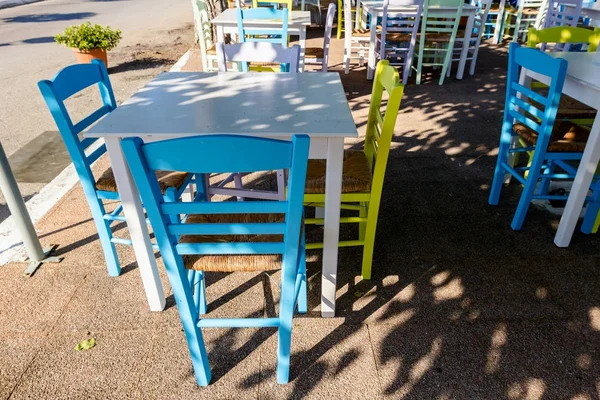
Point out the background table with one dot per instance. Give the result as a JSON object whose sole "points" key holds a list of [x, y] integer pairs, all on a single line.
{"points": [[298, 21], [179, 104], [374, 8], [583, 84]]}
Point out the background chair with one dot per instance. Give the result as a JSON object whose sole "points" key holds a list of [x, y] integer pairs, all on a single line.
{"points": [[356, 41], [203, 32], [483, 9], [364, 171], [438, 33], [398, 37], [66, 83], [273, 35], [226, 236], [555, 145], [317, 55], [341, 25], [493, 24], [517, 21], [274, 3]]}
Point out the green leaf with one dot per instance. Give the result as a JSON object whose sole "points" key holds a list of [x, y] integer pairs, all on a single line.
{"points": [[89, 37], [86, 344], [358, 293]]}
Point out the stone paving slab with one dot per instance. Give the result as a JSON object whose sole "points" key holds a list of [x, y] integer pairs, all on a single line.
{"points": [[459, 307]]}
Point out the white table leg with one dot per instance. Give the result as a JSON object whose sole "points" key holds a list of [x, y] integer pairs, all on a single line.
{"points": [[372, 42], [136, 223], [581, 185], [302, 48], [465, 50], [499, 20], [220, 34], [331, 230]]}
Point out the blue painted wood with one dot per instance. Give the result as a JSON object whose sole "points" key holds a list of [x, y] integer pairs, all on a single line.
{"points": [[252, 34], [542, 168], [143, 159], [274, 228], [206, 158], [66, 83]]}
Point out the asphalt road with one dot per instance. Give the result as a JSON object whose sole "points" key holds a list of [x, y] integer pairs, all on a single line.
{"points": [[155, 34]]}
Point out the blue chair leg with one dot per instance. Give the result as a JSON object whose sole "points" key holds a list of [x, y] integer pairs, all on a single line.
{"points": [[286, 313], [105, 235], [302, 295], [505, 140], [529, 188], [545, 179], [182, 291]]}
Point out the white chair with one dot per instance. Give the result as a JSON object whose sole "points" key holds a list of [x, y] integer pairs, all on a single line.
{"points": [[356, 41], [260, 52], [318, 55], [398, 36], [483, 9], [561, 13], [517, 21], [203, 29]]}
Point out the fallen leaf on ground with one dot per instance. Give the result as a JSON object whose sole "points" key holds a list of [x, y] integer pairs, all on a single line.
{"points": [[86, 344]]}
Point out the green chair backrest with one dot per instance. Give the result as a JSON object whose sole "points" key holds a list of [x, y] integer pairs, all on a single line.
{"points": [[564, 34], [380, 127]]}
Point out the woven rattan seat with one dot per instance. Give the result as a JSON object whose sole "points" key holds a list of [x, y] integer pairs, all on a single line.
{"points": [[396, 37], [166, 179], [234, 262], [571, 108], [361, 32], [314, 52], [356, 174], [566, 136]]}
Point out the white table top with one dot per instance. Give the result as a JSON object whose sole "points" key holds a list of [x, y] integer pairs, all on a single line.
{"points": [[229, 16], [265, 104], [583, 67], [405, 5]]}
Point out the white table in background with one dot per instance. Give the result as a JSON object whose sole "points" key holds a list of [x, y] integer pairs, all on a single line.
{"points": [[583, 84], [178, 104], [298, 21], [374, 8]]}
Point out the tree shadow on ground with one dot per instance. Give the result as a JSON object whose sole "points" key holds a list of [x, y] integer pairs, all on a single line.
{"points": [[139, 64], [50, 17]]}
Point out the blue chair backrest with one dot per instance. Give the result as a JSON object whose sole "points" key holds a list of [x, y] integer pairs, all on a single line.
{"points": [[540, 111], [66, 83], [220, 154], [273, 35]]}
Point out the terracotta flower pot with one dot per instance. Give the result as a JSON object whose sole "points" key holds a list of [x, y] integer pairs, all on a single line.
{"points": [[86, 56]]}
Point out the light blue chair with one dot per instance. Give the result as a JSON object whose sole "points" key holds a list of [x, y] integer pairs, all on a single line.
{"points": [[531, 116], [226, 236], [66, 83], [277, 34]]}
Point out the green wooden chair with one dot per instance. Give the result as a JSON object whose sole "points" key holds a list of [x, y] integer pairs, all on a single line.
{"points": [[287, 3], [364, 171]]}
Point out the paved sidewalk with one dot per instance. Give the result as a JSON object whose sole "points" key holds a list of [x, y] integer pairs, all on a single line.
{"points": [[459, 307]]}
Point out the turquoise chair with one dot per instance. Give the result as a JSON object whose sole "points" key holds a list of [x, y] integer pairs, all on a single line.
{"points": [[555, 146], [226, 236], [278, 35], [65, 84]]}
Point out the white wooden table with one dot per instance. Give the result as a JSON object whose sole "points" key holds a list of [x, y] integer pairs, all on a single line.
{"points": [[374, 8], [178, 104], [583, 84], [298, 21]]}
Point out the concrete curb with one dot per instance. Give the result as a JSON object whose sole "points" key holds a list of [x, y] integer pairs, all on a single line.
{"points": [[14, 3], [11, 247]]}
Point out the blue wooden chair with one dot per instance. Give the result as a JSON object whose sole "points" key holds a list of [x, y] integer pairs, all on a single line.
{"points": [[66, 83], [226, 236], [531, 117], [277, 34]]}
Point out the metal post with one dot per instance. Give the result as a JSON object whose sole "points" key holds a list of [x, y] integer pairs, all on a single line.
{"points": [[18, 210]]}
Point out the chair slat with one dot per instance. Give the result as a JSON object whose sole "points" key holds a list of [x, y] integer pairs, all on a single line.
{"points": [[226, 207], [538, 98], [90, 119], [528, 108], [265, 228], [231, 248]]}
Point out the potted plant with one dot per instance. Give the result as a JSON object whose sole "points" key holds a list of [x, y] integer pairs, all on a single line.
{"points": [[89, 41]]}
